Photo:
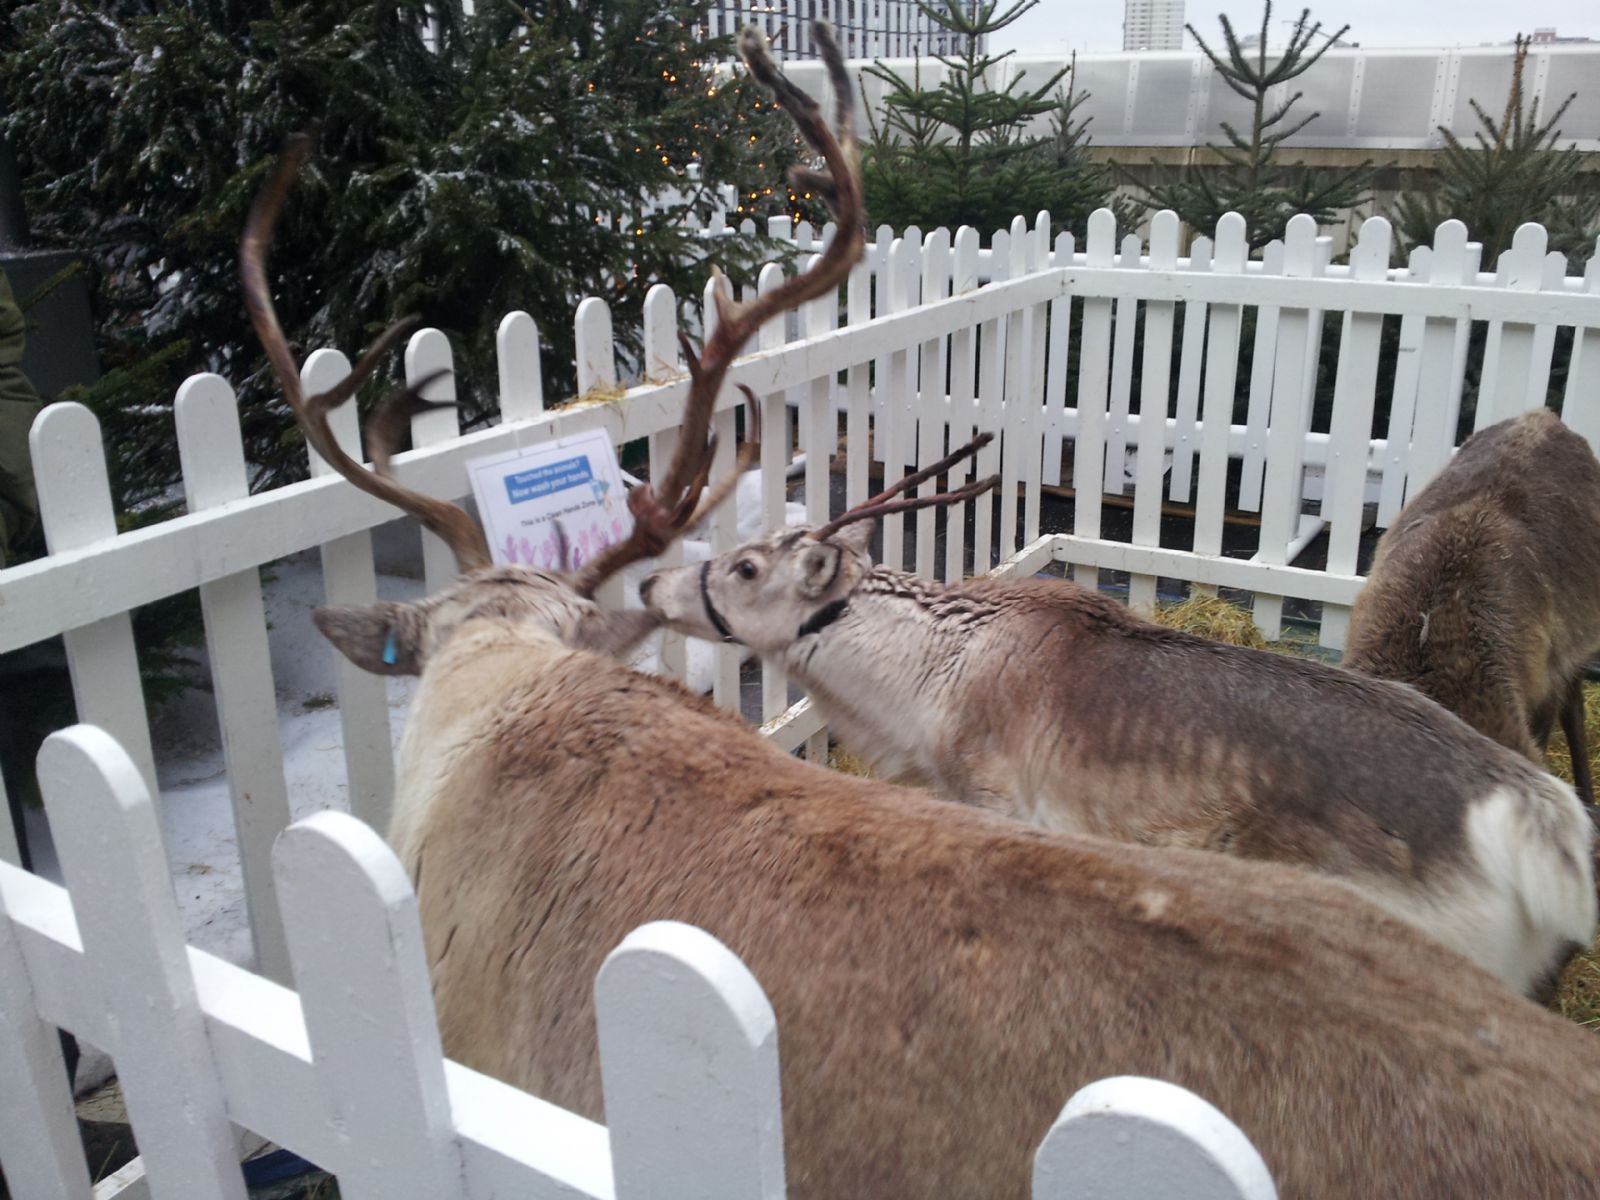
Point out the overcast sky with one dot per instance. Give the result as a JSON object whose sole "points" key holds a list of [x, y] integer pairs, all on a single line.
{"points": [[1097, 24]]}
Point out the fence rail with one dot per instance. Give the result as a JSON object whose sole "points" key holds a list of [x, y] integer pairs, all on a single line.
{"points": [[1292, 396]]}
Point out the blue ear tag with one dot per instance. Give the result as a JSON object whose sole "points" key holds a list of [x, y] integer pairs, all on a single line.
{"points": [[390, 654]]}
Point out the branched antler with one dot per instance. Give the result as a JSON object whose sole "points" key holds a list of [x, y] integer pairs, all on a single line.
{"points": [[884, 503], [451, 522], [663, 509]]}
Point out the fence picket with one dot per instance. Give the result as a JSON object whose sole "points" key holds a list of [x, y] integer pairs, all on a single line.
{"points": [[1583, 373], [991, 409], [1350, 434], [689, 1066], [1058, 361], [1403, 397], [597, 376], [350, 578], [1440, 375], [1094, 365], [1154, 389], [75, 509], [775, 458], [1191, 358], [724, 520], [1224, 326], [894, 386], [39, 1144], [879, 255], [428, 351], [932, 403], [1034, 384], [1129, 1138], [211, 451], [1126, 333], [661, 362], [368, 1008], [1263, 354], [1018, 370], [1298, 335], [1507, 386], [521, 372], [111, 855], [963, 396], [858, 390]]}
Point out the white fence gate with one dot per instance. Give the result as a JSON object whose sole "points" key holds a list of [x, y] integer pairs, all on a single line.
{"points": [[1046, 353]]}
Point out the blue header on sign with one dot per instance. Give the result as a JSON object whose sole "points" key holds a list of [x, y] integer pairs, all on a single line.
{"points": [[523, 486]]}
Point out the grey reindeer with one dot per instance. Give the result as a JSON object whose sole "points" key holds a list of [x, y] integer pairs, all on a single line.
{"points": [[1049, 702]]}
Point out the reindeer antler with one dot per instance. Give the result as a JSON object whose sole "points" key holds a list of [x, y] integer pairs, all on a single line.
{"points": [[449, 521], [884, 502], [663, 509]]}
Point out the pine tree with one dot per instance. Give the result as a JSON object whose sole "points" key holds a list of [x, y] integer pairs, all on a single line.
{"points": [[1253, 180], [1513, 173], [959, 153], [520, 156]]}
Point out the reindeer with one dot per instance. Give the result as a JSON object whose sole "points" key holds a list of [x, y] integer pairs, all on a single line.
{"points": [[1485, 592], [1054, 704], [943, 978]]}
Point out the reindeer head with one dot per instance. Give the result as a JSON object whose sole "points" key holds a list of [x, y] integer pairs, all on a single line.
{"points": [[396, 638], [770, 593]]}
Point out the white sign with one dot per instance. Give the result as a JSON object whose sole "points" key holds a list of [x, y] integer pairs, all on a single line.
{"points": [[523, 494]]}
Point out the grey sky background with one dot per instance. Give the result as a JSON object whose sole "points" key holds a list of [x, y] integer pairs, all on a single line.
{"points": [[1057, 25]]}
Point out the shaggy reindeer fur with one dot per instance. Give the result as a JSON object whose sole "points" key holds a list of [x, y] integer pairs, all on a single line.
{"points": [[1055, 704], [1485, 593], [943, 978]]}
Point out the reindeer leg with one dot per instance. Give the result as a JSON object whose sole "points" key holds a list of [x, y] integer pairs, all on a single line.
{"points": [[1572, 725]]}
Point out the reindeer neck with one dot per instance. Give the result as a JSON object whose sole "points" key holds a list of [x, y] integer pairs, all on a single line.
{"points": [[889, 660]]}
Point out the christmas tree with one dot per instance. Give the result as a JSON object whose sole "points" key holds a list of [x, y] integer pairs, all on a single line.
{"points": [[961, 153], [1254, 180], [521, 155]]}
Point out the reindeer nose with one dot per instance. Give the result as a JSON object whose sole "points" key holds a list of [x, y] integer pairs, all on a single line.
{"points": [[644, 587]]}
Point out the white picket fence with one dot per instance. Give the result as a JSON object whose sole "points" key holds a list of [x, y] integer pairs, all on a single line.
{"points": [[348, 1071], [928, 353]]}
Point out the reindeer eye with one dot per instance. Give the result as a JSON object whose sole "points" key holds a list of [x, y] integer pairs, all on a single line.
{"points": [[746, 569]]}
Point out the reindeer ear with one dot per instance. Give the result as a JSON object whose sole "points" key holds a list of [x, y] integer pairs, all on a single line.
{"points": [[819, 567], [614, 633], [385, 639], [856, 537]]}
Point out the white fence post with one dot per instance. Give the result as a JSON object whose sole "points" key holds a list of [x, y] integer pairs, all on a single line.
{"points": [[661, 363], [932, 414], [963, 398], [1350, 431], [368, 1004], [689, 1063], [597, 372], [1299, 331], [211, 451], [39, 1143], [1263, 353], [1155, 385], [1130, 1138], [428, 351], [111, 854], [521, 372], [1094, 370], [350, 578], [69, 467], [1191, 359], [725, 520]]}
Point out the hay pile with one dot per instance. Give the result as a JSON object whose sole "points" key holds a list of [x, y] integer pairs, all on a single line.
{"points": [[1578, 997]]}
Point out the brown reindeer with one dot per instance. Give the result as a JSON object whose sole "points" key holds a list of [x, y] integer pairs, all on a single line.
{"points": [[943, 978], [1485, 592]]}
